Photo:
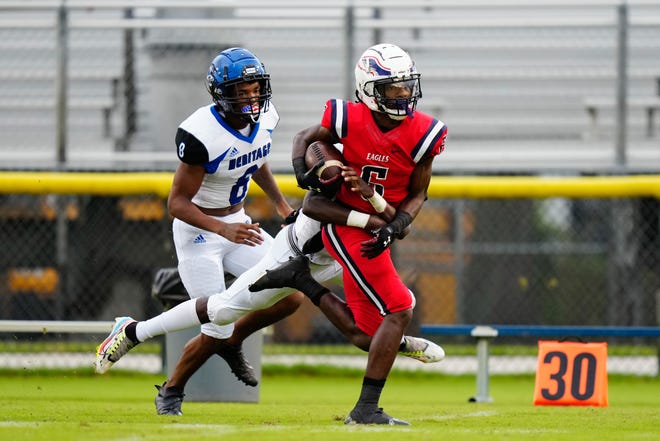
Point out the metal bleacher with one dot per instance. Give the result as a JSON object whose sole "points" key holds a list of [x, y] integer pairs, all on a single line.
{"points": [[28, 76], [510, 79]]}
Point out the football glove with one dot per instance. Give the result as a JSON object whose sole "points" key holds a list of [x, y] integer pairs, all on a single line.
{"points": [[385, 236], [374, 247], [307, 179]]}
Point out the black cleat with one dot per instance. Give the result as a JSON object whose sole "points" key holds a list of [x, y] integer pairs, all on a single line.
{"points": [[238, 364], [288, 274], [168, 401], [374, 416]]}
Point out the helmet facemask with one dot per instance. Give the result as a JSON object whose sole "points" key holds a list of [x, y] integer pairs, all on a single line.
{"points": [[397, 97], [248, 108]]}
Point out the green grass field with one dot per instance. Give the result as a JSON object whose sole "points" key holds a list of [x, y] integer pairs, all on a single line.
{"points": [[310, 406]]}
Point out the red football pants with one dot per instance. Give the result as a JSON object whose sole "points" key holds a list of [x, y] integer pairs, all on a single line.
{"points": [[372, 287]]}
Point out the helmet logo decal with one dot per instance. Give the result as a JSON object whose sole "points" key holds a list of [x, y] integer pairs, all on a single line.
{"points": [[372, 66], [250, 70]]}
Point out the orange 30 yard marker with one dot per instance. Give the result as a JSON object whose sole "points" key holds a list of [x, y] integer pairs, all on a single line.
{"points": [[571, 374]]}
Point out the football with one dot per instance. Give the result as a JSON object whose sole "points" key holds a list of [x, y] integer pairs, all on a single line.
{"points": [[332, 157]]}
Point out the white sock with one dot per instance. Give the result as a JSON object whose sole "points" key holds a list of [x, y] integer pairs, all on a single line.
{"points": [[182, 316]]}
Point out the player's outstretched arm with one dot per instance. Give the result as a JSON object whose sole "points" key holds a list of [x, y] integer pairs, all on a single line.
{"points": [[322, 209]]}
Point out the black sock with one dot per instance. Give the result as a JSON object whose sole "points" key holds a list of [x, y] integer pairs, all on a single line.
{"points": [[370, 394], [171, 390], [130, 330], [305, 283]]}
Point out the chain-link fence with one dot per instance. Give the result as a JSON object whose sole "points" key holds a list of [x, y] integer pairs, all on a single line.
{"points": [[544, 87], [548, 260], [561, 261]]}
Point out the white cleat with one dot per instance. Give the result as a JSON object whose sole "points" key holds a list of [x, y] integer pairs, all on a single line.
{"points": [[115, 346], [422, 349]]}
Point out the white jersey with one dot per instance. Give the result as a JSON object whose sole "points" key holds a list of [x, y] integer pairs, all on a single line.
{"points": [[230, 158]]}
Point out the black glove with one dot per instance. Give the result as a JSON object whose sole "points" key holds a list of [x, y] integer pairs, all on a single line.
{"points": [[307, 179], [374, 247], [385, 236]]}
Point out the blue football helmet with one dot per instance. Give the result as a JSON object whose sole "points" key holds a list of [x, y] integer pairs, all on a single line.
{"points": [[234, 66]]}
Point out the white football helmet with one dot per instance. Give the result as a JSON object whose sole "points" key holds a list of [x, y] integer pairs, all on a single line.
{"points": [[386, 66]]}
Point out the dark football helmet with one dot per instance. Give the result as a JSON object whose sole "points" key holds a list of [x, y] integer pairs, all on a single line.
{"points": [[232, 67]]}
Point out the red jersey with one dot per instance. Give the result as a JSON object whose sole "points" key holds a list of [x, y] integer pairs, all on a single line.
{"points": [[385, 160]]}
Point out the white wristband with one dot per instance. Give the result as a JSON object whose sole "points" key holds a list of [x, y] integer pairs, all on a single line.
{"points": [[357, 219], [378, 202]]}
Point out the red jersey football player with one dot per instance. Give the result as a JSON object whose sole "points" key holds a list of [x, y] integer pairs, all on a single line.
{"points": [[391, 146]]}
